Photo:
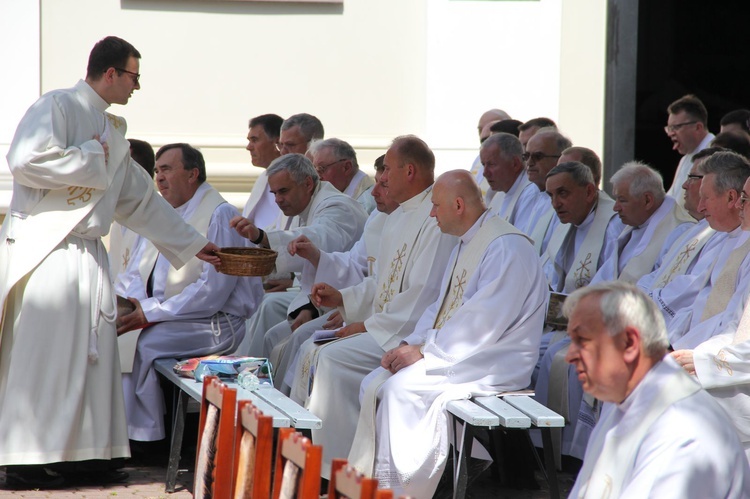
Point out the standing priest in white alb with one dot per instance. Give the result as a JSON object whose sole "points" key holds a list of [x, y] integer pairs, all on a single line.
{"points": [[660, 434], [60, 389], [481, 336], [195, 311]]}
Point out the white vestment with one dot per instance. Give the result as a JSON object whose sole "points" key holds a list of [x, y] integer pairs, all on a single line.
{"points": [[722, 366], [332, 221], [412, 249], [261, 208], [477, 170], [360, 189], [683, 169], [692, 325], [666, 439], [60, 389], [639, 248], [201, 313], [517, 205], [542, 222], [676, 281], [339, 270], [496, 298]]}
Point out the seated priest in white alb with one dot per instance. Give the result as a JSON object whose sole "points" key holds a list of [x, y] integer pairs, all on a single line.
{"points": [[654, 221], [385, 307], [542, 152], [477, 169], [187, 313], [660, 434], [480, 337], [336, 163], [721, 362], [672, 284], [319, 211], [722, 282], [514, 195], [341, 269]]}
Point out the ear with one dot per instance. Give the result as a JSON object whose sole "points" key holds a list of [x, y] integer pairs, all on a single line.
{"points": [[348, 166], [732, 197], [460, 205], [649, 199], [411, 171], [109, 74], [591, 192], [518, 165], [309, 184], [193, 175], [631, 344]]}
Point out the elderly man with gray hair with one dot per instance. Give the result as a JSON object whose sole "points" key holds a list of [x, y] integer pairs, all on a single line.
{"points": [[512, 196], [298, 131], [330, 219], [336, 162], [660, 434]]}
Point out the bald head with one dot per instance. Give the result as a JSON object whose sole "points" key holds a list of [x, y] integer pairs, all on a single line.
{"points": [[456, 202], [489, 116]]}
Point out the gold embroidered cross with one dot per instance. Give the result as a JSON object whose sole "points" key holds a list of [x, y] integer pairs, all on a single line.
{"points": [[582, 274], [681, 258], [397, 264], [722, 363], [82, 194], [457, 296], [125, 258]]}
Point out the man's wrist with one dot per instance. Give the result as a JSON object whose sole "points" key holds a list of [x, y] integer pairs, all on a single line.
{"points": [[260, 237]]}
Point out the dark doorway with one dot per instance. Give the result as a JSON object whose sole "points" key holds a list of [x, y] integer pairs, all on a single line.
{"points": [[688, 47]]}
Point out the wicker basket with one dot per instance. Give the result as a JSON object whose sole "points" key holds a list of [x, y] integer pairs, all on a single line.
{"points": [[247, 261]]}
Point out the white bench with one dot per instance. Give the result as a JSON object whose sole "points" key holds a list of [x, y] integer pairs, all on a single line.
{"points": [[507, 411], [284, 411]]}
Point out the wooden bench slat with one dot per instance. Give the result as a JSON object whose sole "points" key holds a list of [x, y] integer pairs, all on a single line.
{"points": [[470, 412], [510, 417], [301, 417], [540, 415]]}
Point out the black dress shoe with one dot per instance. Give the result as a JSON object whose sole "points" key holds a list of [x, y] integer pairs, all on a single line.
{"points": [[32, 477], [103, 477]]}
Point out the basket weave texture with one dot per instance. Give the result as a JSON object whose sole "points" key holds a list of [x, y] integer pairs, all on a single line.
{"points": [[247, 261]]}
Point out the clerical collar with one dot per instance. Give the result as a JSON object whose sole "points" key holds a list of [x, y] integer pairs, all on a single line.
{"points": [[736, 232], [91, 96], [306, 212], [187, 208], [589, 218], [469, 234], [414, 202]]}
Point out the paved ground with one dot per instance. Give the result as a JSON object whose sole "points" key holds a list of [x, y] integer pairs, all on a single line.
{"points": [[148, 470]]}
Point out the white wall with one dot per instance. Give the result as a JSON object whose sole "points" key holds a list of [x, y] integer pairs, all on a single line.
{"points": [[370, 70]]}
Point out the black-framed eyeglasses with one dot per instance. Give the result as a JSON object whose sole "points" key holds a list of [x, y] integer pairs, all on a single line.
{"points": [[322, 169], [538, 156], [677, 126], [136, 76], [692, 177], [743, 199]]}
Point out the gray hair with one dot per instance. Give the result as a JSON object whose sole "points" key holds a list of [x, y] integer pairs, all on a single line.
{"points": [[310, 126], [298, 166], [561, 141], [642, 179], [731, 169], [580, 173], [509, 145], [339, 148], [622, 305], [588, 158]]}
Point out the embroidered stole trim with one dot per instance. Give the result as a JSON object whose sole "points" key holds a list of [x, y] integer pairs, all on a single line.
{"points": [[540, 229], [643, 262], [465, 264], [683, 254], [608, 456]]}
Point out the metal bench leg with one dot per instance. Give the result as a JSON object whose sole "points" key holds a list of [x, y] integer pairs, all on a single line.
{"points": [[549, 461], [178, 429], [461, 462]]}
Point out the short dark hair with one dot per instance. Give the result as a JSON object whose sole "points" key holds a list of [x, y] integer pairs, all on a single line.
{"points": [[739, 117], [506, 126], [109, 52], [541, 122], [412, 149], [271, 124], [143, 154], [708, 151], [380, 163], [733, 142], [692, 106], [192, 158]]}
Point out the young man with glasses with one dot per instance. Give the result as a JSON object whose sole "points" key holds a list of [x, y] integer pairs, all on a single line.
{"points": [[687, 128]]}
